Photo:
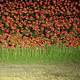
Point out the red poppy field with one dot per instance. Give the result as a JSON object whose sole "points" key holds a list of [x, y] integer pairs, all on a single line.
{"points": [[36, 23], [39, 40]]}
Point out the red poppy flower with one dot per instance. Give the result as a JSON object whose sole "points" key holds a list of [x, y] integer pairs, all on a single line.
{"points": [[37, 11], [1, 25], [6, 31], [43, 25], [78, 29], [35, 27], [52, 28], [47, 35], [71, 44], [40, 2]]}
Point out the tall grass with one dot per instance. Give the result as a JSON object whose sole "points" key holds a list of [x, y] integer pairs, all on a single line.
{"points": [[37, 55]]}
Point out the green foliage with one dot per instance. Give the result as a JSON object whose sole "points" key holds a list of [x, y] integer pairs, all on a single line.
{"points": [[0, 18], [1, 31], [37, 55], [6, 25]]}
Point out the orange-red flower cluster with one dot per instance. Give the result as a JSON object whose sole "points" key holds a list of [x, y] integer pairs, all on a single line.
{"points": [[29, 23]]}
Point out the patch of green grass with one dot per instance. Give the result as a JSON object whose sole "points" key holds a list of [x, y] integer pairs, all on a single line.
{"points": [[37, 55]]}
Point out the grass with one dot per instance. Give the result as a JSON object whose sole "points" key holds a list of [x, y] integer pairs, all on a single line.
{"points": [[37, 55]]}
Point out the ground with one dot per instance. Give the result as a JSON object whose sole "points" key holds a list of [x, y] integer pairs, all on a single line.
{"points": [[40, 72]]}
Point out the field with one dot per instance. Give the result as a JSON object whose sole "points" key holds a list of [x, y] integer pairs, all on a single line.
{"points": [[39, 40], [40, 72], [36, 23], [39, 32], [38, 55]]}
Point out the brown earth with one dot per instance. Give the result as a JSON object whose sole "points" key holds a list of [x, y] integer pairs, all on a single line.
{"points": [[40, 72]]}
